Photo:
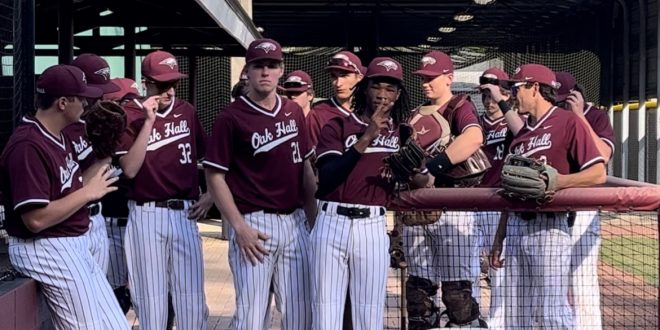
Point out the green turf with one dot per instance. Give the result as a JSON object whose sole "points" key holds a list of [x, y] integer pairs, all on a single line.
{"points": [[633, 255]]}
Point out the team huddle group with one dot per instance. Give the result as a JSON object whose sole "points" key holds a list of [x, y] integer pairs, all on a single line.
{"points": [[305, 189]]}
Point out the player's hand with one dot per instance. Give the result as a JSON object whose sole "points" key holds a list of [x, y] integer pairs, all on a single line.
{"points": [[496, 260], [380, 119], [100, 184], [150, 106], [495, 92], [249, 240], [575, 102], [199, 210]]}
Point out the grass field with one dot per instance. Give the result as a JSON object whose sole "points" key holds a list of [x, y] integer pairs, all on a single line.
{"points": [[633, 255]]}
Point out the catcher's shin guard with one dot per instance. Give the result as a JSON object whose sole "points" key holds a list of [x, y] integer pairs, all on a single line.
{"points": [[462, 308], [422, 312]]}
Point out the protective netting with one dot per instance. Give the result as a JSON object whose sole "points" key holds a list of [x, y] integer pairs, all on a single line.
{"points": [[6, 80], [591, 269]]}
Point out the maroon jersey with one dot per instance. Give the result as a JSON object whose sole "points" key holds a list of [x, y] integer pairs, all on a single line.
{"points": [[176, 142], [77, 133], [561, 139], [35, 169], [321, 114], [262, 152], [464, 118], [365, 185], [600, 123], [496, 143]]}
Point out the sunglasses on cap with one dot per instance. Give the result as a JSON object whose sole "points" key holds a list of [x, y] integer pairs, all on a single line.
{"points": [[487, 80], [164, 86], [516, 86], [344, 64], [294, 84]]}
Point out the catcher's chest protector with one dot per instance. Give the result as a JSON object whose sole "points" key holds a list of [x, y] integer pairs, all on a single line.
{"points": [[432, 130]]}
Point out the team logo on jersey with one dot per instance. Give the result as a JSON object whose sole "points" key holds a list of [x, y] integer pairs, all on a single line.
{"points": [[104, 72], [266, 47], [428, 60], [496, 136], [383, 143], [534, 145], [170, 61], [67, 173], [388, 65], [82, 148], [284, 131], [171, 132]]}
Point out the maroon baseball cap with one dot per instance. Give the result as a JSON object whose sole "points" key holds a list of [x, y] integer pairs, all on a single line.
{"points": [[495, 73], [127, 89], [66, 80], [347, 62], [534, 73], [96, 70], [385, 67], [264, 49], [566, 83], [297, 81], [161, 66], [435, 63]]}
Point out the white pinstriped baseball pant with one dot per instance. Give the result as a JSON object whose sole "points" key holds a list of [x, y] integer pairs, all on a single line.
{"points": [[349, 251], [164, 254], [76, 290], [285, 271]]}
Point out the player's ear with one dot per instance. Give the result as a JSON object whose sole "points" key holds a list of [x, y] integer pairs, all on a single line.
{"points": [[450, 77], [61, 103], [359, 76]]}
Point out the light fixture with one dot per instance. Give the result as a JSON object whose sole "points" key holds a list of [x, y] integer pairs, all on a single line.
{"points": [[463, 17], [425, 46], [483, 2], [106, 12], [433, 39], [447, 29]]}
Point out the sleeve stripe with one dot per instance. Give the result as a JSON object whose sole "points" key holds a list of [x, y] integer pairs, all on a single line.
{"points": [[424, 171], [120, 152], [591, 162], [31, 201], [609, 142], [310, 153], [207, 163], [471, 125], [335, 152]]}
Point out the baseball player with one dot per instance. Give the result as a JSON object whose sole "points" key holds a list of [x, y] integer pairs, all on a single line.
{"points": [[46, 206], [97, 72], [447, 251], [585, 231], [349, 244], [346, 71], [539, 244], [298, 88], [159, 153], [497, 140], [258, 171]]}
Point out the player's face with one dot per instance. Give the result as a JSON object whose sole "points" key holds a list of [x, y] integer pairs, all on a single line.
{"points": [[524, 95], [490, 105], [343, 83], [264, 75], [379, 93], [438, 86], [166, 90], [303, 99], [73, 108]]}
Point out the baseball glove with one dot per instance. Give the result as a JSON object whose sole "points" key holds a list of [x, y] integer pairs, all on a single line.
{"points": [[528, 179], [419, 218], [405, 163], [105, 122], [468, 173]]}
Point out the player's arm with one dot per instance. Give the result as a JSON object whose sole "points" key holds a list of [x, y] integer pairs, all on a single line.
{"points": [[575, 102], [592, 175], [38, 219], [309, 189], [496, 260], [132, 161], [89, 173], [466, 144], [247, 238]]}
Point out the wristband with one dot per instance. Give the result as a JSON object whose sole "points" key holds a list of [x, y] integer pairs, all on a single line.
{"points": [[439, 164], [504, 106]]}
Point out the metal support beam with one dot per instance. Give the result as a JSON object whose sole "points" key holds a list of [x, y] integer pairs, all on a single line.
{"points": [[192, 82], [129, 49], [641, 112], [625, 113], [65, 31], [24, 84]]}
